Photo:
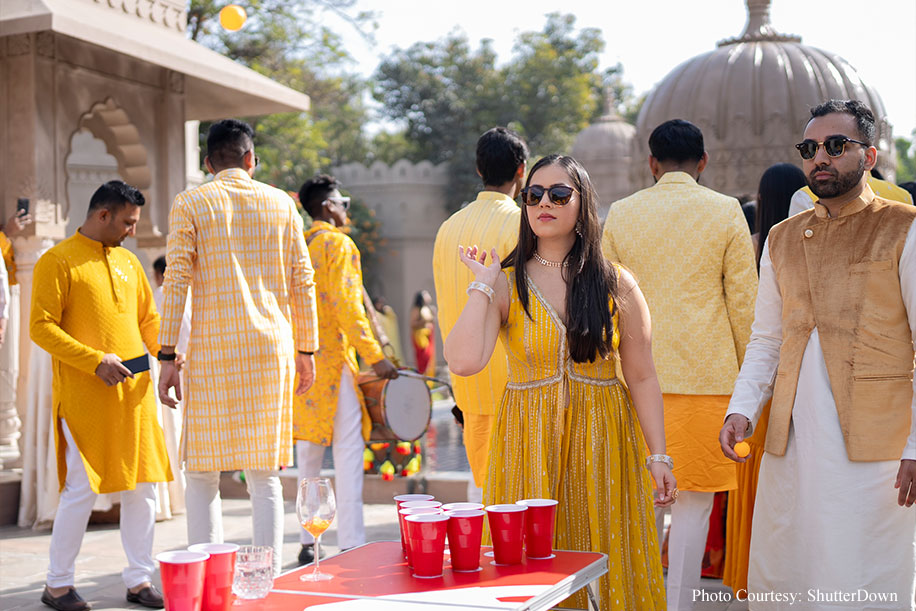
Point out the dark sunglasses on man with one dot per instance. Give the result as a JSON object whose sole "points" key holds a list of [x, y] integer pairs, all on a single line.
{"points": [[558, 194], [834, 146], [343, 202]]}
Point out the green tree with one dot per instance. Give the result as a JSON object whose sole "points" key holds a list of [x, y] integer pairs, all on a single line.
{"points": [[446, 94], [906, 158], [438, 90], [555, 84], [289, 41], [389, 146]]}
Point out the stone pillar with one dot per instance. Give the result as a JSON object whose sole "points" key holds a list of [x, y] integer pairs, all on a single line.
{"points": [[27, 250], [194, 176], [28, 146]]}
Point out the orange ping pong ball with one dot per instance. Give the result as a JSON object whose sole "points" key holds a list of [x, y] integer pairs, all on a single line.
{"points": [[232, 17], [742, 449]]}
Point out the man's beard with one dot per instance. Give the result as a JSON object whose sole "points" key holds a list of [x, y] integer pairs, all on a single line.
{"points": [[839, 184]]}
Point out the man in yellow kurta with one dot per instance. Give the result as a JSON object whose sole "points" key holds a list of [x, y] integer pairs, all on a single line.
{"points": [[239, 244], [691, 250], [92, 307], [331, 412], [490, 221]]}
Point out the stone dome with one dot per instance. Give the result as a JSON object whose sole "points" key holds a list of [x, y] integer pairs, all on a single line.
{"points": [[605, 148], [751, 97]]}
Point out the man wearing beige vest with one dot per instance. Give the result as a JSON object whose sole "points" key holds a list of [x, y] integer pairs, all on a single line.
{"points": [[833, 343]]}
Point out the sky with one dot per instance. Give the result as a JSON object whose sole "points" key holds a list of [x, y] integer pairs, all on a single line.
{"points": [[651, 37]]}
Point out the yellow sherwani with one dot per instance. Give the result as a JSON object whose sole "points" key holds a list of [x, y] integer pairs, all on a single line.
{"points": [[690, 249], [342, 325], [490, 221], [239, 244], [89, 300]]}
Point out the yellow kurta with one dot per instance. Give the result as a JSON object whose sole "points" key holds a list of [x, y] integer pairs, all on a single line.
{"points": [[490, 221], [568, 431], [239, 244], [691, 251], [342, 324], [89, 300]]}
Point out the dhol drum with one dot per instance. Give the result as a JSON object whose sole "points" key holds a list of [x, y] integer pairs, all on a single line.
{"points": [[400, 409]]}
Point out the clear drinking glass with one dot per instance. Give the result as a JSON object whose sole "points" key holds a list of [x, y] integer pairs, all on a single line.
{"points": [[254, 574], [316, 508]]}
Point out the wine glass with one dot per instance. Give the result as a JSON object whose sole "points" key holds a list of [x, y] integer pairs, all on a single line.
{"points": [[315, 508]]}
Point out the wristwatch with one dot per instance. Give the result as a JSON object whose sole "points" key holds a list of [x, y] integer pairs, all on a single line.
{"points": [[162, 356]]}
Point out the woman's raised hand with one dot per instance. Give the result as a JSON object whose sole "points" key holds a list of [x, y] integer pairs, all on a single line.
{"points": [[476, 261]]}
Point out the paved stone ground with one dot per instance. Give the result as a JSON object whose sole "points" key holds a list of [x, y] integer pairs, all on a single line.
{"points": [[23, 556]]}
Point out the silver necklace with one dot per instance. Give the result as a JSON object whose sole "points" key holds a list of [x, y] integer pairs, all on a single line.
{"points": [[547, 263]]}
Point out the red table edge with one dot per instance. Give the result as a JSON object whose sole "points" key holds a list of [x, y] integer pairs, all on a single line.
{"points": [[557, 593]]}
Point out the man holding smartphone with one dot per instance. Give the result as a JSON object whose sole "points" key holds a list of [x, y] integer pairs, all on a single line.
{"points": [[92, 308]]}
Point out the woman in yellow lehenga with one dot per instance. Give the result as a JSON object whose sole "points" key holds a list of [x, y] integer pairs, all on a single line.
{"points": [[566, 427]]}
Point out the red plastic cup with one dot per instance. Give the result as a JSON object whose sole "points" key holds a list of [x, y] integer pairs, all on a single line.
{"points": [[507, 526], [462, 506], [182, 575], [218, 574], [426, 541], [412, 505], [539, 524], [408, 511], [403, 498], [465, 528]]}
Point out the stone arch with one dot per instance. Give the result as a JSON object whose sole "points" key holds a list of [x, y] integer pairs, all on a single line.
{"points": [[109, 123]]}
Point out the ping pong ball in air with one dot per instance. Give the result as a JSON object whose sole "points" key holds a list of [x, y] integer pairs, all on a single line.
{"points": [[742, 449], [232, 17]]}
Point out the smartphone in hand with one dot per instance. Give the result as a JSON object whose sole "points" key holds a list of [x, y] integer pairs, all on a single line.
{"points": [[22, 205], [138, 364], [459, 416]]}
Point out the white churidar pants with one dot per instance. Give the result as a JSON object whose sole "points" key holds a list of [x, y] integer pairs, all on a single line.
{"points": [[347, 447], [205, 518], [686, 544], [138, 517]]}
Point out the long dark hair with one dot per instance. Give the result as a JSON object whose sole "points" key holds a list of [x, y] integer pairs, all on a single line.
{"points": [[777, 185], [590, 279]]}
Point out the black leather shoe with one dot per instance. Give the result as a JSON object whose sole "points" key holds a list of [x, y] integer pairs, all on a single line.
{"points": [[148, 597], [307, 554], [71, 601]]}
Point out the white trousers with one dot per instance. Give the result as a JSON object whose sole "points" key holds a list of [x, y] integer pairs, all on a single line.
{"points": [[347, 447], [205, 517], [686, 544], [138, 517]]}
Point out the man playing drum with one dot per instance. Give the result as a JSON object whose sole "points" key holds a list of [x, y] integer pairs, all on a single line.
{"points": [[331, 411]]}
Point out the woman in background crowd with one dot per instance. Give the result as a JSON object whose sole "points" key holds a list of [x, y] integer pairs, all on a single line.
{"points": [[422, 332]]}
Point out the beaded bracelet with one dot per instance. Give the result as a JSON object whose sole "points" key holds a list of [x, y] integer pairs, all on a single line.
{"points": [[483, 288], [660, 458]]}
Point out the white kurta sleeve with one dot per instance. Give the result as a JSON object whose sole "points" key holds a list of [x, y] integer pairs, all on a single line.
{"points": [[754, 385], [907, 271], [800, 202]]}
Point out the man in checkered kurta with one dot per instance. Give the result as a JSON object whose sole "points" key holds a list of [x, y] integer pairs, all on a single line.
{"points": [[239, 244]]}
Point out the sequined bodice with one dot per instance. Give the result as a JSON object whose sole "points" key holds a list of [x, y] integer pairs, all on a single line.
{"points": [[537, 347]]}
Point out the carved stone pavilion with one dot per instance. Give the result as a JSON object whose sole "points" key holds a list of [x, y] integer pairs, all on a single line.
{"points": [[121, 78]]}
